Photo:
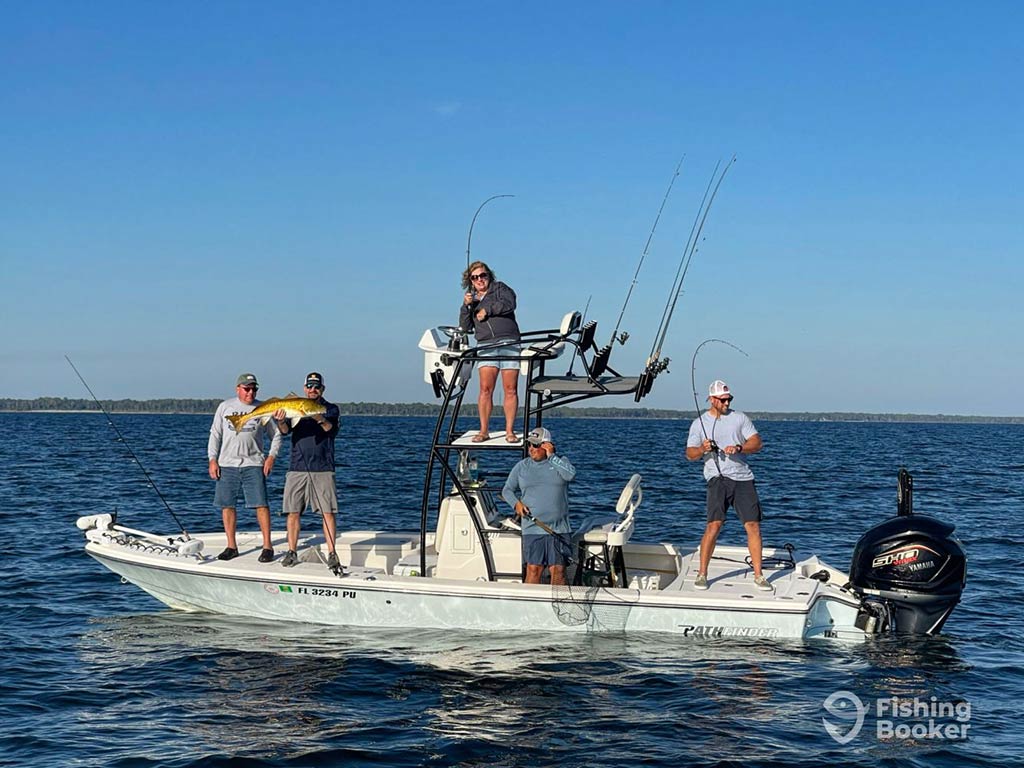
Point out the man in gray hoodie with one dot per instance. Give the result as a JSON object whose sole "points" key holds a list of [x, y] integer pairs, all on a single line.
{"points": [[239, 466]]}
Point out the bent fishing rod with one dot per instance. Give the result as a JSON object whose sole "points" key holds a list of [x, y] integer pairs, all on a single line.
{"points": [[684, 264], [469, 239], [693, 384], [615, 333], [127, 445]]}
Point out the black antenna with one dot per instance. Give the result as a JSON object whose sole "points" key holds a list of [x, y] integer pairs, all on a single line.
{"points": [[470, 238], [615, 333], [121, 437]]}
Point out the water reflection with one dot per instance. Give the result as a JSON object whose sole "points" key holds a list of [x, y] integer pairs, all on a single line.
{"points": [[279, 688]]}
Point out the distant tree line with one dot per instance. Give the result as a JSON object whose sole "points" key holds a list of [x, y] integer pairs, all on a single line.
{"points": [[165, 405], [208, 406]]}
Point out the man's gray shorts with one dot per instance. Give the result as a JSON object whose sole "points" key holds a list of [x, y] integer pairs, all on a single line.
{"points": [[741, 495], [249, 482], [545, 549], [314, 490]]}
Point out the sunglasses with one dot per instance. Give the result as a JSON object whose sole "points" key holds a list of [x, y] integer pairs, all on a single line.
{"points": [[725, 400], [481, 276], [314, 386], [250, 389]]}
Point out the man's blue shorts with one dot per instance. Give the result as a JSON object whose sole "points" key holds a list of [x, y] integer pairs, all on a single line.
{"points": [[545, 549], [499, 357], [241, 481]]}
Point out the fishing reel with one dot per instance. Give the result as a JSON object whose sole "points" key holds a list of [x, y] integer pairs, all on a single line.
{"points": [[658, 366]]}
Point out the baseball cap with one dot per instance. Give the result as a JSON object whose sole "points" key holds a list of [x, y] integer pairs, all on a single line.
{"points": [[247, 379], [719, 388], [314, 379], [538, 436]]}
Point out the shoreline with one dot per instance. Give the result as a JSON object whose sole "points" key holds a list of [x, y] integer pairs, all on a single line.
{"points": [[623, 414]]}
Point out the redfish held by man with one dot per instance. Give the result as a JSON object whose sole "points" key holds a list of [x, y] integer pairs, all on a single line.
{"points": [[295, 407]]}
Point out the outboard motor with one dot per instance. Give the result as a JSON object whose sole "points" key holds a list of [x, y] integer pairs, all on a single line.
{"points": [[910, 570]]}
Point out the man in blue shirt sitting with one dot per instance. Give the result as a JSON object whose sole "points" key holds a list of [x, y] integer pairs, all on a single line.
{"points": [[538, 489]]}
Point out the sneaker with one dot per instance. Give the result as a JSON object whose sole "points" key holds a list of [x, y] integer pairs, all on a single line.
{"points": [[332, 561], [230, 553], [290, 559], [701, 582], [266, 555], [762, 583]]}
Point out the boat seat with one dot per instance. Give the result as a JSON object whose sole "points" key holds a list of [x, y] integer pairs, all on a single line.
{"points": [[595, 528], [553, 346], [614, 530], [600, 542]]}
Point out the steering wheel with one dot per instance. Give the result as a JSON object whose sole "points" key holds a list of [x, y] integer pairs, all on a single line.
{"points": [[452, 331]]}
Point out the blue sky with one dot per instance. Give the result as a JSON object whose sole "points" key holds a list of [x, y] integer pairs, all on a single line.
{"points": [[191, 190]]}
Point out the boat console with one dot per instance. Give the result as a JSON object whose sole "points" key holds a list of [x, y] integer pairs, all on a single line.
{"points": [[470, 542]]}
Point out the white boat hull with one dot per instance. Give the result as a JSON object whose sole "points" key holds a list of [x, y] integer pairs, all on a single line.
{"points": [[800, 607]]}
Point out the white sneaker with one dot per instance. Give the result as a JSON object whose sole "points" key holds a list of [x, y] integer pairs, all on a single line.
{"points": [[762, 583], [701, 582]]}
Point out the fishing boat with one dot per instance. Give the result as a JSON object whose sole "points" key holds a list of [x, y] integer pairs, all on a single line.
{"points": [[461, 566]]}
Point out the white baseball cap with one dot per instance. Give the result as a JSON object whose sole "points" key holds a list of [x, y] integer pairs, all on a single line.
{"points": [[718, 388]]}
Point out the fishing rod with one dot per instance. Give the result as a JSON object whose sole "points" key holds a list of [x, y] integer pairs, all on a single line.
{"points": [[684, 264], [121, 437], [615, 333], [575, 349], [696, 403], [469, 239]]}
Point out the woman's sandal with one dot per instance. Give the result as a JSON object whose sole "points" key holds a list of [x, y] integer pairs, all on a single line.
{"points": [[481, 437], [511, 438]]}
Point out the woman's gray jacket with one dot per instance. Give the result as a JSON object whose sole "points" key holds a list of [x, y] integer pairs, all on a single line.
{"points": [[500, 320]]}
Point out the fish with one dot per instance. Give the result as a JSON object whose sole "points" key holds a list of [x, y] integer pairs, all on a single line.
{"points": [[295, 407]]}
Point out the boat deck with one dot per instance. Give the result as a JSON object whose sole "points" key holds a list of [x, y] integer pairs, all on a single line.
{"points": [[373, 555], [730, 577]]}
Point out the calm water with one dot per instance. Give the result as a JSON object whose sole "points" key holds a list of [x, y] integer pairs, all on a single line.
{"points": [[96, 673]]}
